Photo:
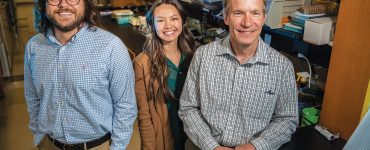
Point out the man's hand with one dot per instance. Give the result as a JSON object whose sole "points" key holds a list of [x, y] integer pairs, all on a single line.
{"points": [[222, 148], [247, 146]]}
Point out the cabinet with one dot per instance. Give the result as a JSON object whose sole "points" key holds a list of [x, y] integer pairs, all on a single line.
{"points": [[349, 69]]}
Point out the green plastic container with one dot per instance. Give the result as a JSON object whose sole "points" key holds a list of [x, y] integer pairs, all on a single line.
{"points": [[310, 116]]}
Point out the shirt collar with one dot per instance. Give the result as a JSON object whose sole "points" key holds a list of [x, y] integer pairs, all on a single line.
{"points": [[172, 65], [261, 54], [52, 38]]}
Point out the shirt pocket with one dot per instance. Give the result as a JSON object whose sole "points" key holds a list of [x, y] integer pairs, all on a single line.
{"points": [[262, 105]]}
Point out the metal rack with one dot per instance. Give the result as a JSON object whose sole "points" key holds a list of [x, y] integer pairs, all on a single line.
{"points": [[6, 37]]}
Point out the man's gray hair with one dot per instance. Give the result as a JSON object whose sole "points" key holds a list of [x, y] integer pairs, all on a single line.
{"points": [[225, 5]]}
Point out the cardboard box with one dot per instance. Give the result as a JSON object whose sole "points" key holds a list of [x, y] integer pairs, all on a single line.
{"points": [[318, 31]]}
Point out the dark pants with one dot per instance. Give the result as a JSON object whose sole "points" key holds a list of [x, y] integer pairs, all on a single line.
{"points": [[189, 145]]}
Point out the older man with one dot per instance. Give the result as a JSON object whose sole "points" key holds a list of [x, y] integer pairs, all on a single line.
{"points": [[239, 93]]}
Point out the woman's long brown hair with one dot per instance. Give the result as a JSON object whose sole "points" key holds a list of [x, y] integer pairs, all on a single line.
{"points": [[153, 47]]}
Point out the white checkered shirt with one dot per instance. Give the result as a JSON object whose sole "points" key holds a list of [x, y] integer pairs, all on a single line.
{"points": [[227, 103]]}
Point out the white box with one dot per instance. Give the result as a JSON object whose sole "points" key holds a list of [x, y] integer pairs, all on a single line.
{"points": [[318, 31]]}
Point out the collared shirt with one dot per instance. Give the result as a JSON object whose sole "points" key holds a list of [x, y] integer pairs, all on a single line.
{"points": [[360, 138], [82, 90], [175, 83], [227, 103]]}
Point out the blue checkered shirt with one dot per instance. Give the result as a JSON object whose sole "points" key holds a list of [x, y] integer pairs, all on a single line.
{"points": [[227, 103], [82, 90]]}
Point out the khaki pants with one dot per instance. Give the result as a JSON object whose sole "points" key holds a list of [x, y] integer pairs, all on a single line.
{"points": [[189, 145], [46, 144]]}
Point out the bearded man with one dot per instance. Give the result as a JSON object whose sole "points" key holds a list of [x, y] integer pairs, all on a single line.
{"points": [[79, 81]]}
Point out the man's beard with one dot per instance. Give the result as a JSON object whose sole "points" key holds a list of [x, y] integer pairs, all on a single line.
{"points": [[69, 27]]}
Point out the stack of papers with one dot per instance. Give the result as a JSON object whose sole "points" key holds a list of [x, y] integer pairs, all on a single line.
{"points": [[298, 19], [290, 27], [308, 15]]}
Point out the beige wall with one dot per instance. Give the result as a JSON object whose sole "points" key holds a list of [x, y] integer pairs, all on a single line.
{"points": [[25, 19]]}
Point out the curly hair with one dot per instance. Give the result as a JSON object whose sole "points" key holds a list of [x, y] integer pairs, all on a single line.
{"points": [[42, 23], [153, 47]]}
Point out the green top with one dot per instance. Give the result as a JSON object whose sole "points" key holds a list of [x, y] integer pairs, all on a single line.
{"points": [[175, 83]]}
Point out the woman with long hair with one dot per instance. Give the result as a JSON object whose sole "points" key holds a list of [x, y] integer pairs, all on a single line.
{"points": [[160, 72]]}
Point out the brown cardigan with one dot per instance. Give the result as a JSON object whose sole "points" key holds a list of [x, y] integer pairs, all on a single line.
{"points": [[153, 118]]}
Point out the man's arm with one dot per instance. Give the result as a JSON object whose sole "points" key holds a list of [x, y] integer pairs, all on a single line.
{"points": [[122, 90], [285, 118], [194, 124], [30, 94]]}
